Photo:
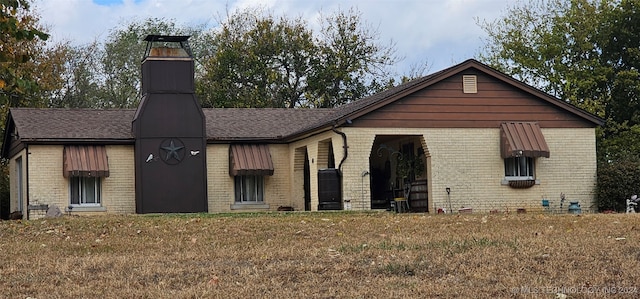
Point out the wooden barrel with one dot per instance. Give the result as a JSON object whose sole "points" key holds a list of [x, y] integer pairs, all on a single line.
{"points": [[418, 200]]}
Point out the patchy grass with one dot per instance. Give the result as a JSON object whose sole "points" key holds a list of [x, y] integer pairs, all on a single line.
{"points": [[321, 255]]}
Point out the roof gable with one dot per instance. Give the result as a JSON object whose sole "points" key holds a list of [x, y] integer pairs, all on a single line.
{"points": [[361, 108]]}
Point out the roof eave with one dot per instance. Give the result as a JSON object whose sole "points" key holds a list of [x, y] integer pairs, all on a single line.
{"points": [[227, 140], [310, 132], [105, 141]]}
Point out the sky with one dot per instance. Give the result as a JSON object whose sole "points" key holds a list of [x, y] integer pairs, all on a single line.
{"points": [[439, 32]]}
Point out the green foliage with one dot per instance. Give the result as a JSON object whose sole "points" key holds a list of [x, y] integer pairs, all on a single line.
{"points": [[618, 167], [554, 45], [349, 64], [81, 85], [253, 59], [410, 166], [19, 42], [120, 62], [616, 183], [16, 24], [620, 144], [259, 60], [106, 74]]}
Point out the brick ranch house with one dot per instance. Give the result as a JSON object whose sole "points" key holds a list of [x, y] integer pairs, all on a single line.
{"points": [[485, 142]]}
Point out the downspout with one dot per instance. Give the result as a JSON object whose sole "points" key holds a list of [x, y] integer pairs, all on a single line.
{"points": [[344, 157], [344, 145]]}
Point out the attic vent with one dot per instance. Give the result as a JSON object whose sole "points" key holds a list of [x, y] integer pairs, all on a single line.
{"points": [[469, 84]]}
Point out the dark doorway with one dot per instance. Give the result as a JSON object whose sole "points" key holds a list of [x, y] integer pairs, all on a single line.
{"points": [[397, 167]]}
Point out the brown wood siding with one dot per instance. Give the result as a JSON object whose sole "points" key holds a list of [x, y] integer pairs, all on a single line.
{"points": [[444, 105]]}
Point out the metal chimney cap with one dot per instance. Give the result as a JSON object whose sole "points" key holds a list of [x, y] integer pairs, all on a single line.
{"points": [[166, 38], [161, 44]]}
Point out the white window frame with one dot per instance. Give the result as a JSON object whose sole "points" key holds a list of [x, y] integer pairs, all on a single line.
{"points": [[80, 187], [519, 168], [249, 189]]}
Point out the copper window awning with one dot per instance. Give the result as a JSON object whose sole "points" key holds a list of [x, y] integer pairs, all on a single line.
{"points": [[85, 161], [250, 159], [522, 139]]}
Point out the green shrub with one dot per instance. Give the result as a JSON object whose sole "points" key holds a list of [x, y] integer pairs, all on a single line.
{"points": [[616, 182]]}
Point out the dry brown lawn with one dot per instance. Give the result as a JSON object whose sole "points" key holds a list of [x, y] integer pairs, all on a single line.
{"points": [[322, 255]]}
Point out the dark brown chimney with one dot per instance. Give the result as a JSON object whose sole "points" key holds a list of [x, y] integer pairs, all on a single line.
{"points": [[169, 127]]}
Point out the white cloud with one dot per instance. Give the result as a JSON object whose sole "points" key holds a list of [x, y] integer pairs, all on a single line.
{"points": [[442, 32]]}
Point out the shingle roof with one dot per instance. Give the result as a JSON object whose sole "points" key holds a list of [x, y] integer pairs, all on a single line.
{"points": [[260, 123], [115, 124], [46, 124]]}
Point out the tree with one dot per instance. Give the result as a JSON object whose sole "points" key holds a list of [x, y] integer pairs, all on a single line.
{"points": [[120, 62], [259, 60], [81, 85], [107, 74], [252, 59], [20, 40], [350, 64]]}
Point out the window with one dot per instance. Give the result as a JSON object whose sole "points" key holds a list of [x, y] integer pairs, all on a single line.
{"points": [[249, 188], [518, 168], [85, 191]]}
